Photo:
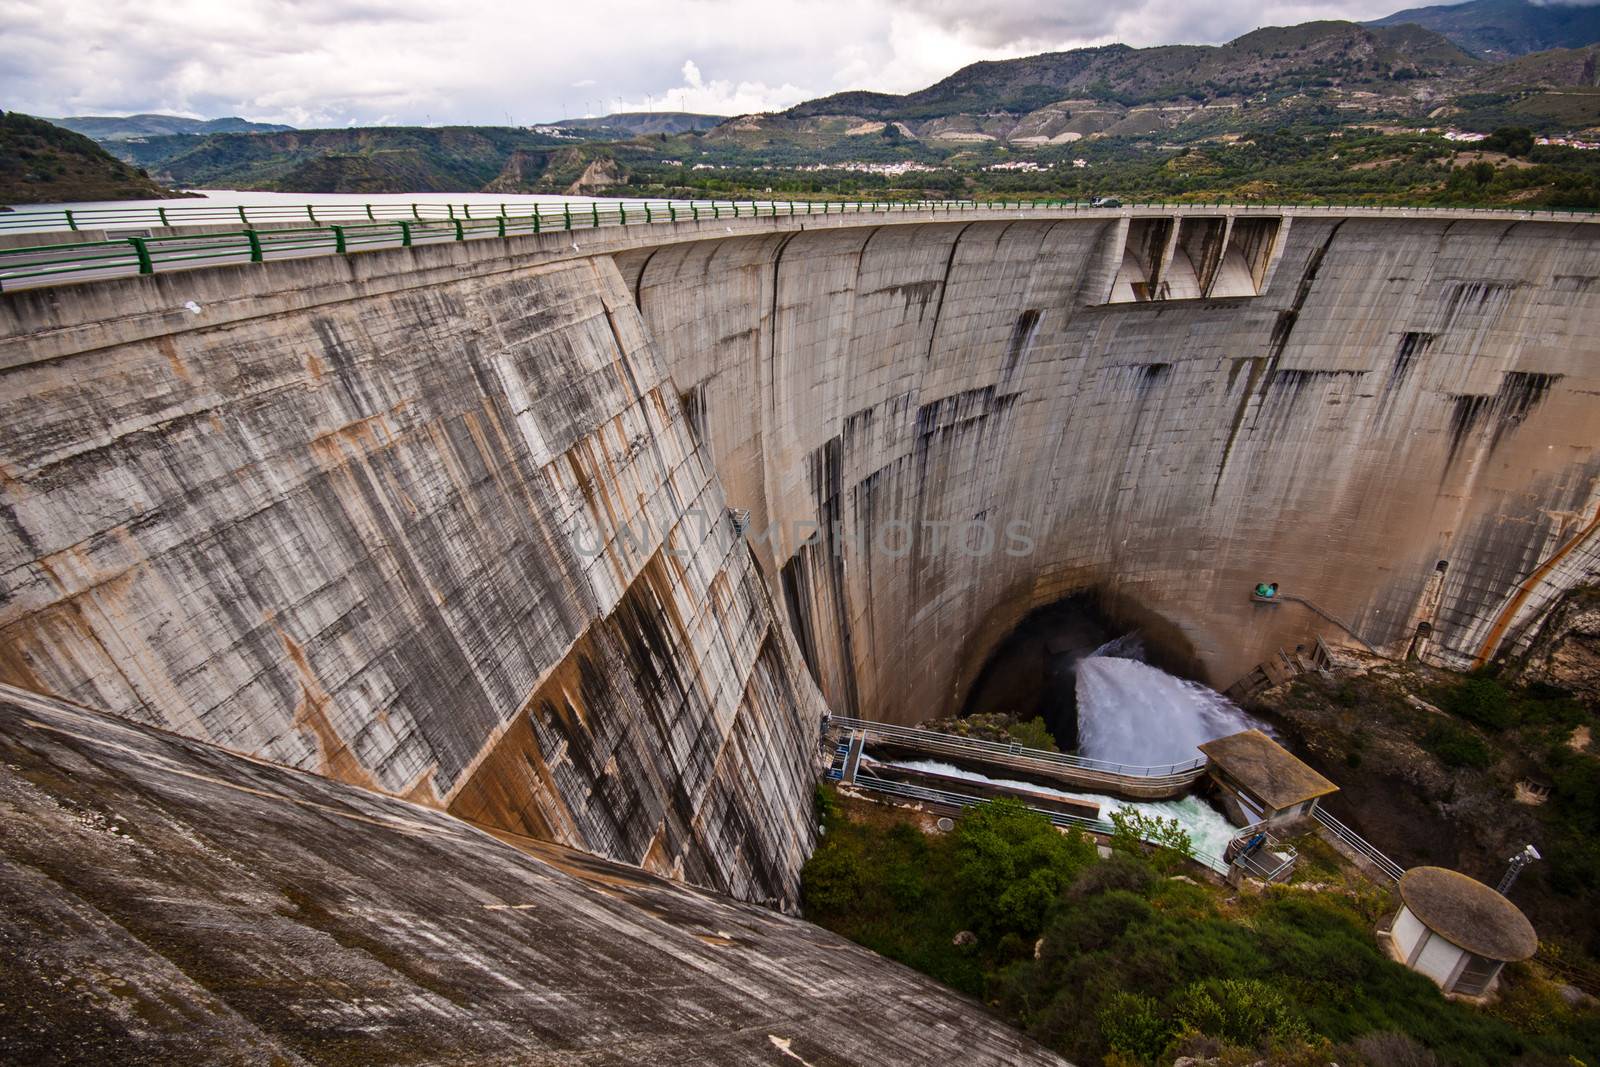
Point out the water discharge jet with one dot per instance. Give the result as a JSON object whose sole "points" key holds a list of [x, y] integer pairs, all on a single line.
{"points": [[1132, 712]]}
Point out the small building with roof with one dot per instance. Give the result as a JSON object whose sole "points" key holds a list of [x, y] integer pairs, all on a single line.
{"points": [[1260, 781], [1458, 931]]}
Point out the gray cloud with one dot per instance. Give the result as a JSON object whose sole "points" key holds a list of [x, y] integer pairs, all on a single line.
{"points": [[1018, 23], [408, 61]]}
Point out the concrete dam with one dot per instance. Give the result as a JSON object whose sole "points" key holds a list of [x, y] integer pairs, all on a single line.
{"points": [[576, 536]]}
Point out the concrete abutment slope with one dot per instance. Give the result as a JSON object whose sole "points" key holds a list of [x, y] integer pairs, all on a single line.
{"points": [[451, 521], [433, 540], [167, 903]]}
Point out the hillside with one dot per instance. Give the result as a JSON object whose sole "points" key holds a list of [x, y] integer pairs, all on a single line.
{"points": [[359, 160], [1497, 29], [41, 163], [126, 127], [1325, 110], [643, 123], [1271, 58]]}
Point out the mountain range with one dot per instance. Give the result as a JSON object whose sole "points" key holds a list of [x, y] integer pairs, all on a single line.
{"points": [[987, 126], [1498, 29], [130, 127]]}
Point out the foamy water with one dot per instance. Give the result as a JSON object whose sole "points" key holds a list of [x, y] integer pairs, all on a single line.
{"points": [[1208, 829], [1131, 712]]}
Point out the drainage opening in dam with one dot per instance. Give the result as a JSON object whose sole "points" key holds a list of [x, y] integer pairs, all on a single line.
{"points": [[1096, 673]]}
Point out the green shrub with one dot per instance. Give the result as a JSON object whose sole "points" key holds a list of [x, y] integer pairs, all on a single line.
{"points": [[1117, 871], [1134, 1024], [1244, 1011], [834, 881], [1033, 734], [1012, 865], [1481, 701], [1133, 830], [1457, 747], [825, 805], [1512, 140]]}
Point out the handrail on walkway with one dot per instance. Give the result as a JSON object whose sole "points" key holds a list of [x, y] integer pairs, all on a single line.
{"points": [[181, 214], [952, 742], [1360, 844]]}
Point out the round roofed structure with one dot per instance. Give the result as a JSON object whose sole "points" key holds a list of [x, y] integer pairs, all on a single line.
{"points": [[1458, 931]]}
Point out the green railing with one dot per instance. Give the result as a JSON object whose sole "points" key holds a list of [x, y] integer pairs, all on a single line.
{"points": [[420, 224], [180, 214]]}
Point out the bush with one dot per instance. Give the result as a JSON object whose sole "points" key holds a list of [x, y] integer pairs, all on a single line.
{"points": [[1481, 701], [1457, 747], [1244, 1011], [1118, 871], [1512, 140], [1133, 1024], [1134, 829], [834, 881], [825, 805], [1033, 734], [1012, 865]]}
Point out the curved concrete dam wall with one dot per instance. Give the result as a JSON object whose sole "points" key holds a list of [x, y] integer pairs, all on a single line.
{"points": [[453, 522], [1402, 392]]}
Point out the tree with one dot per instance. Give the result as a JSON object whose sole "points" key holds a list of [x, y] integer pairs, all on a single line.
{"points": [[1512, 140], [1012, 865], [1133, 830]]}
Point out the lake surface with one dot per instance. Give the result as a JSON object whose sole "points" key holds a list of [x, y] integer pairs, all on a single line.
{"points": [[235, 197]]}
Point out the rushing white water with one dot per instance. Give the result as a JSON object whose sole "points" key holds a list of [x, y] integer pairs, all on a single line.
{"points": [[1130, 712], [1208, 829]]}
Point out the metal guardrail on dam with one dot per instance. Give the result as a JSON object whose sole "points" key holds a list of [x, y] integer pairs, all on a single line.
{"points": [[1145, 782], [369, 227]]}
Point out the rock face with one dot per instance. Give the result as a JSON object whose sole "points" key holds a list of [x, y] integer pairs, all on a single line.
{"points": [[452, 521], [165, 902], [597, 177], [1565, 652]]}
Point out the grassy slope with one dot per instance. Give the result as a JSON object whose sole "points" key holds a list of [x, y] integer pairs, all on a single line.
{"points": [[1113, 961], [1436, 786], [416, 159], [41, 163], [1260, 59]]}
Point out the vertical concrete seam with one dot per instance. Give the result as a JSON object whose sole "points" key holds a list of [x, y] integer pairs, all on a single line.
{"points": [[772, 317], [949, 265], [1263, 374]]}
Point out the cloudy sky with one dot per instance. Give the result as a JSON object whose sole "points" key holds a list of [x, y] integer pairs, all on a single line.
{"points": [[341, 62]]}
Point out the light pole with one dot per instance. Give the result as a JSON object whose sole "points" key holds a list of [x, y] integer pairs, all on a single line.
{"points": [[1519, 861]]}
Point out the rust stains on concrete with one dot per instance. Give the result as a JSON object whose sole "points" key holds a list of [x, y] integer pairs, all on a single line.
{"points": [[312, 714]]}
